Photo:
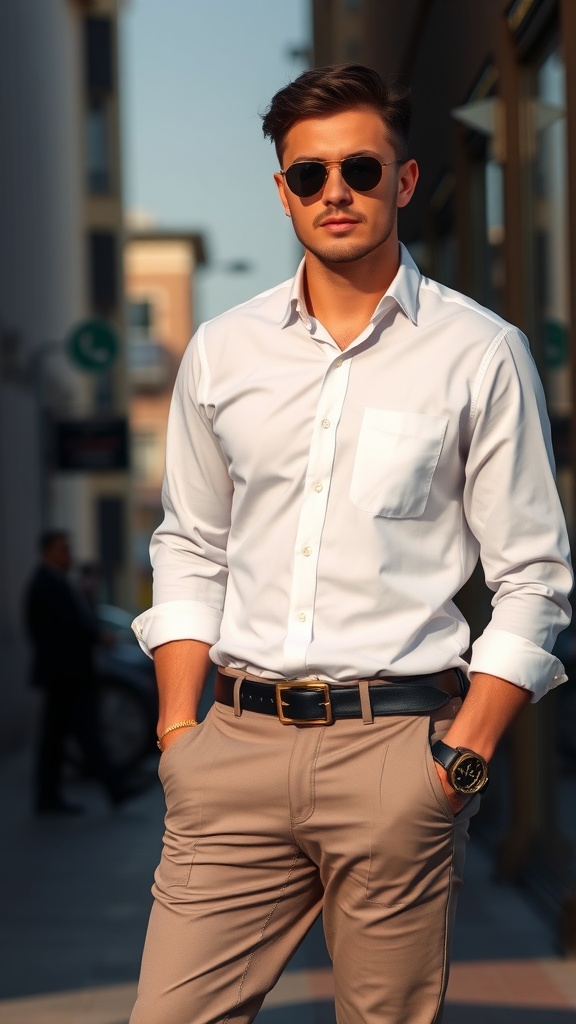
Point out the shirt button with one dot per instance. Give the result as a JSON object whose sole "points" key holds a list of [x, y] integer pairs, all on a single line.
{"points": [[302, 617], [325, 424], [307, 551], [338, 362], [318, 487]]}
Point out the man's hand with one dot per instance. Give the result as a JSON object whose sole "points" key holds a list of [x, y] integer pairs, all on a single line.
{"points": [[181, 671], [491, 705], [456, 800], [171, 737]]}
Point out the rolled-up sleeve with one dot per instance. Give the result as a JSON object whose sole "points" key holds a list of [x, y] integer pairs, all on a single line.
{"points": [[512, 507], [188, 550]]}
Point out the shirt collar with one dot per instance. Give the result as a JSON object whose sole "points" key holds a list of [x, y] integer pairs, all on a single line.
{"points": [[296, 301], [403, 290]]}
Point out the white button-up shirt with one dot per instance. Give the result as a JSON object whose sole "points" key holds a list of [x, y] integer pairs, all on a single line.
{"points": [[322, 508]]}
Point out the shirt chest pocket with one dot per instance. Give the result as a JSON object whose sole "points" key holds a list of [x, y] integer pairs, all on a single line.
{"points": [[396, 456]]}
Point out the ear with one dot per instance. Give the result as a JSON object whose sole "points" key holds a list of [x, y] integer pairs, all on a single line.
{"points": [[407, 179], [278, 178]]}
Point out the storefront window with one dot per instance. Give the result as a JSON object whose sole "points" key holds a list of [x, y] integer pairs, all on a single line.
{"points": [[97, 148], [551, 259], [494, 234], [550, 225], [481, 180]]}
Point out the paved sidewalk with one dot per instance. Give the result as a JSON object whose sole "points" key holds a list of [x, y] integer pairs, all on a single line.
{"points": [[75, 899]]}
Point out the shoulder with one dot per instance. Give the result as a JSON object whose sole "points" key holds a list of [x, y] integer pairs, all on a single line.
{"points": [[226, 342], [439, 301]]}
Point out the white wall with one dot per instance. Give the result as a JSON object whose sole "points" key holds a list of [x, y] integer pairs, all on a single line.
{"points": [[42, 271]]}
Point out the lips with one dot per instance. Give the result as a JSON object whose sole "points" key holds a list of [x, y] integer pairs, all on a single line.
{"points": [[338, 222], [338, 225]]}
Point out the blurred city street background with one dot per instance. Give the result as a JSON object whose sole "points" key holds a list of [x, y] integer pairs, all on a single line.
{"points": [[136, 199]]}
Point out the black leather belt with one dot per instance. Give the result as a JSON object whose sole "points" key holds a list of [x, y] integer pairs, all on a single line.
{"points": [[312, 702]]}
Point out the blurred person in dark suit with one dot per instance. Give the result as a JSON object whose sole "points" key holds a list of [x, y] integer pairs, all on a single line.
{"points": [[64, 630]]}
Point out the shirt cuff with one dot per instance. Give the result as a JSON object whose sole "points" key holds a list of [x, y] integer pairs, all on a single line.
{"points": [[518, 660], [177, 620]]}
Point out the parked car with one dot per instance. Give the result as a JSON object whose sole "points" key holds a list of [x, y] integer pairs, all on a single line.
{"points": [[128, 701], [128, 697]]}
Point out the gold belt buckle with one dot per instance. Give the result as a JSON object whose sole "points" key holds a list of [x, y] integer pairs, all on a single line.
{"points": [[320, 687]]}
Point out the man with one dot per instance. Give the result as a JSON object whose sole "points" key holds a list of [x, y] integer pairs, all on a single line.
{"points": [[64, 631], [340, 450]]}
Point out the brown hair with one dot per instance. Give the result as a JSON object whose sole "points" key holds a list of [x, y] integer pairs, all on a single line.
{"points": [[333, 89]]}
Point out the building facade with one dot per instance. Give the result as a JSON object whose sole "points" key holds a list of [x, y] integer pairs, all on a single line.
{"points": [[60, 267], [160, 267]]}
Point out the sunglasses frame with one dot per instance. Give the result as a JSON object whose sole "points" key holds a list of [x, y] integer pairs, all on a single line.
{"points": [[327, 164]]}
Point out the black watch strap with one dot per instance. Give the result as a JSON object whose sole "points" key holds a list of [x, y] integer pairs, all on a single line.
{"points": [[444, 754]]}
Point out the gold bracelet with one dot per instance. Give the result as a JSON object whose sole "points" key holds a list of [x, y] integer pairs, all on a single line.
{"points": [[177, 725]]}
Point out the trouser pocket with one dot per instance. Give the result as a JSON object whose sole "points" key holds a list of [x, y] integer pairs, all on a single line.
{"points": [[412, 833]]}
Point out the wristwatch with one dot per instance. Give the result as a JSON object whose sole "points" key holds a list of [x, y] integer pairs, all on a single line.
{"points": [[467, 771]]}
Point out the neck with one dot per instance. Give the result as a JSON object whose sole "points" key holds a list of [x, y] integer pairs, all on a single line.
{"points": [[343, 296]]}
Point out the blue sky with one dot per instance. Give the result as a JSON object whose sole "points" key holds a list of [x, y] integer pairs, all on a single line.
{"points": [[195, 74]]}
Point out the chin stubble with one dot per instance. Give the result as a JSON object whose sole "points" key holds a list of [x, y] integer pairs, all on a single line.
{"points": [[344, 250]]}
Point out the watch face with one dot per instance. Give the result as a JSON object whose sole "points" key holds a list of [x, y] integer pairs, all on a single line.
{"points": [[469, 773]]}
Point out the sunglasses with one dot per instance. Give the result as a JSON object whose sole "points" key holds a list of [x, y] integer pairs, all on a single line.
{"points": [[361, 174]]}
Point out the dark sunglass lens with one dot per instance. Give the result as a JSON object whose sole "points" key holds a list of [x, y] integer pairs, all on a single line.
{"points": [[361, 173], [305, 179]]}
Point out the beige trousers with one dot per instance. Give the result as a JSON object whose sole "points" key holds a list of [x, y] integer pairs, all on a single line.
{"points": [[269, 824]]}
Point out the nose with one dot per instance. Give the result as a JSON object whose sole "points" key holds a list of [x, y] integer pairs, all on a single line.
{"points": [[336, 192]]}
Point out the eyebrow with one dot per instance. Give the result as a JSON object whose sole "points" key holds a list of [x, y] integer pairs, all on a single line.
{"points": [[325, 160]]}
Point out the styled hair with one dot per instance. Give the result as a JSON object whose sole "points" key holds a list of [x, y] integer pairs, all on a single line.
{"points": [[322, 92]]}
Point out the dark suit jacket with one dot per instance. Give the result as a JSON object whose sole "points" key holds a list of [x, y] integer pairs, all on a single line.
{"points": [[62, 628]]}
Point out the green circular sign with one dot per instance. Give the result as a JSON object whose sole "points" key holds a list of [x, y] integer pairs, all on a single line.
{"points": [[93, 345]]}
